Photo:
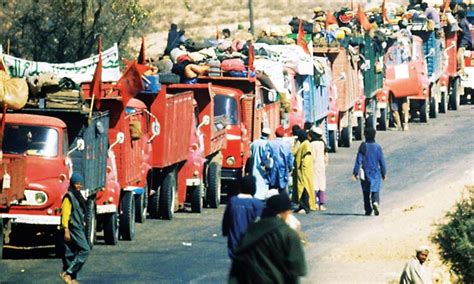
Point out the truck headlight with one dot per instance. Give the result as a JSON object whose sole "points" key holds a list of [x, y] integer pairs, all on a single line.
{"points": [[40, 198], [230, 160]]}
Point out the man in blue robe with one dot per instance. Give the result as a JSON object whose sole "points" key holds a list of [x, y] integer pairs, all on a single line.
{"points": [[370, 167], [259, 155], [283, 161]]}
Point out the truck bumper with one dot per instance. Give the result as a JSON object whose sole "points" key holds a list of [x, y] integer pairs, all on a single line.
{"points": [[104, 209], [229, 174], [468, 81], [32, 219], [193, 182], [332, 126]]}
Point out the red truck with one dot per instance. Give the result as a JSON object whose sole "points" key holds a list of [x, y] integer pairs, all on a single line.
{"points": [[248, 106], [201, 174], [345, 93], [406, 75], [56, 141]]}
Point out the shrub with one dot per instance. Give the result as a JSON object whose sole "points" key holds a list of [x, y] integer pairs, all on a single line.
{"points": [[456, 239]]}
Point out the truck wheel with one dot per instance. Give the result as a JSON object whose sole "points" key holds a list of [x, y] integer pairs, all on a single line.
{"points": [[168, 196], [196, 199], [433, 107], [141, 202], [127, 216], [359, 130], [424, 111], [91, 221], [346, 136], [383, 120], [332, 140], [154, 204], [213, 196], [443, 104], [111, 228], [454, 95]]}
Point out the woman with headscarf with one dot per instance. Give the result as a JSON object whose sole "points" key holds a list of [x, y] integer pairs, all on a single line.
{"points": [[304, 175], [320, 160], [73, 210]]}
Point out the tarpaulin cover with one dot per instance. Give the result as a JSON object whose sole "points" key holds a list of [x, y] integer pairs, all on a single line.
{"points": [[13, 91]]}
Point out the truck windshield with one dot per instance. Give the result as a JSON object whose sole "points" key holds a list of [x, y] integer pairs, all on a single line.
{"points": [[225, 111], [30, 140]]}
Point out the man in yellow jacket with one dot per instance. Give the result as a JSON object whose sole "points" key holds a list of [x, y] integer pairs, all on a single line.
{"points": [[304, 175]]}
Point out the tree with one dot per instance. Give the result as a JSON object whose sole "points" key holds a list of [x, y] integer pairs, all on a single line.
{"points": [[67, 30], [456, 239]]}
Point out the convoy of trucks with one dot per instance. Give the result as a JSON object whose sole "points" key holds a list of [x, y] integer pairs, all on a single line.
{"points": [[148, 148]]}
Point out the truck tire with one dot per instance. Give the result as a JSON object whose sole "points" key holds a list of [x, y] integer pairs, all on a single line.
{"points": [[454, 95], [425, 111], [383, 120], [141, 202], [91, 221], [168, 196], [359, 130], [111, 228], [197, 199], [332, 139], [433, 107], [443, 104], [213, 195], [154, 204], [127, 216]]}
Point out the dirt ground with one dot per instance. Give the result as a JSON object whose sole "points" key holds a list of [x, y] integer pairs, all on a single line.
{"points": [[380, 251]]}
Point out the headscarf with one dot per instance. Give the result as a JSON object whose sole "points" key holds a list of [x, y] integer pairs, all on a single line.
{"points": [[78, 178]]}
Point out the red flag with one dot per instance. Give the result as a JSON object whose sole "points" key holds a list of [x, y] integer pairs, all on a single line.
{"points": [[362, 18], [96, 85], [300, 40], [330, 19], [130, 83], [141, 57], [251, 59], [384, 13]]}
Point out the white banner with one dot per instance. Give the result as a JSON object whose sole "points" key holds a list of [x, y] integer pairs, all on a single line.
{"points": [[80, 71]]}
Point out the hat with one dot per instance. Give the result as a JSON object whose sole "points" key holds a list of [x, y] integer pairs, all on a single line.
{"points": [[279, 203], [317, 130], [423, 248], [266, 131], [317, 10], [77, 178], [280, 132]]}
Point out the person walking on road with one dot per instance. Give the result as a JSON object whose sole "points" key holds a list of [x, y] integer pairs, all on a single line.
{"points": [[415, 272], [283, 161], [270, 251], [242, 210], [371, 169], [259, 160], [304, 175], [320, 160], [76, 246]]}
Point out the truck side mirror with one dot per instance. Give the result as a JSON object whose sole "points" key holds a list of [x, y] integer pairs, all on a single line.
{"points": [[155, 129], [205, 121], [431, 53], [80, 146], [119, 139]]}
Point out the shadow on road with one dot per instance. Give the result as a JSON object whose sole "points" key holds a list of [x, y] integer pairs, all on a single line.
{"points": [[344, 214]]}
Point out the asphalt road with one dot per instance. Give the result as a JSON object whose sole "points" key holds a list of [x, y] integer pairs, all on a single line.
{"points": [[190, 248]]}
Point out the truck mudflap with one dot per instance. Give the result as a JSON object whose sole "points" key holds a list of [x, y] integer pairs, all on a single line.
{"points": [[358, 113], [104, 209], [382, 105], [32, 219]]}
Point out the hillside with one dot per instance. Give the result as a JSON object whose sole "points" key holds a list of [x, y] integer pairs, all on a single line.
{"points": [[201, 18]]}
